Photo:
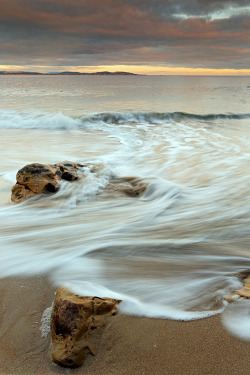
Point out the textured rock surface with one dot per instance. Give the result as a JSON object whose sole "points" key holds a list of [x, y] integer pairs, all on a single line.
{"points": [[20, 193], [67, 170], [37, 178], [73, 319], [243, 292]]}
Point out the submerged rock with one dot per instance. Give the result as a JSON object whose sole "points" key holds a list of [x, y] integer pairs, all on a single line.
{"points": [[37, 178], [243, 292], [131, 186], [73, 319]]}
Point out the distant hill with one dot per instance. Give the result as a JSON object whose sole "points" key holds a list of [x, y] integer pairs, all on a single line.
{"points": [[114, 74], [19, 73], [98, 73], [71, 73]]}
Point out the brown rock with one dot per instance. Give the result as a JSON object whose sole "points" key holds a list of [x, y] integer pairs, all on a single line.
{"points": [[20, 193], [73, 319], [37, 178], [67, 170], [95, 168], [243, 292], [131, 186]]}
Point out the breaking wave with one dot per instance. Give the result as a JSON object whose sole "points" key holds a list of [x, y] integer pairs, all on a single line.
{"points": [[158, 117], [34, 120]]}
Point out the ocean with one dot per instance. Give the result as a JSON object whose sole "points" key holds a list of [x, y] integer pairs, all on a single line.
{"points": [[176, 251]]}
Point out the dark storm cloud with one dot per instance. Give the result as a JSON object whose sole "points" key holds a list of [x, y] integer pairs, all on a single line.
{"points": [[192, 33]]}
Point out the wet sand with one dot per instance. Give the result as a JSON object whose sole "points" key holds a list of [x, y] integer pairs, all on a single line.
{"points": [[127, 345]]}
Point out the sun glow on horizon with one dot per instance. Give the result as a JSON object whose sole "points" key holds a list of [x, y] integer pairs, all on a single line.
{"points": [[162, 70], [137, 69]]}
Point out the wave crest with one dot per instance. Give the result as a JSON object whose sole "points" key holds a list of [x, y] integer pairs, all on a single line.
{"points": [[34, 120], [158, 117]]}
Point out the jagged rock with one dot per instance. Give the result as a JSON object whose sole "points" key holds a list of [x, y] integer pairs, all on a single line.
{"points": [[37, 178], [73, 319], [243, 292], [130, 186]]}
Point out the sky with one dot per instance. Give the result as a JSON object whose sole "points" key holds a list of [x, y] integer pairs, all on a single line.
{"points": [[140, 36]]}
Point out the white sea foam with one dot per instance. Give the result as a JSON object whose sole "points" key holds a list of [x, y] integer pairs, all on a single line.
{"points": [[36, 120], [236, 318], [154, 298], [10, 176], [45, 322], [175, 252]]}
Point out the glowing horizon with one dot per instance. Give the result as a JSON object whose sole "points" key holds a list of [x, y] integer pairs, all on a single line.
{"points": [[136, 69]]}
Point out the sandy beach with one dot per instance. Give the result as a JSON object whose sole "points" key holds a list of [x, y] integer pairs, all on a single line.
{"points": [[127, 345]]}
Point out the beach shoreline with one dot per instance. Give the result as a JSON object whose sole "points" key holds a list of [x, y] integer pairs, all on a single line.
{"points": [[127, 344]]}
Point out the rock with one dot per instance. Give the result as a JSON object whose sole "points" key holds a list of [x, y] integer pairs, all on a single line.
{"points": [[95, 168], [67, 170], [131, 186], [20, 193], [73, 319], [243, 292], [37, 178]]}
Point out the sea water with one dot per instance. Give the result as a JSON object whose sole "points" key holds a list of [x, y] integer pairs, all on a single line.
{"points": [[176, 251]]}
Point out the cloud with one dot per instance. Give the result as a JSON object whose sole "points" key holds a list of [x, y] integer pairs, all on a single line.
{"points": [[98, 32]]}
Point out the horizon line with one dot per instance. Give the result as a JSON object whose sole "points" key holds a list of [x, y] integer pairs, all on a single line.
{"points": [[130, 69], [124, 73]]}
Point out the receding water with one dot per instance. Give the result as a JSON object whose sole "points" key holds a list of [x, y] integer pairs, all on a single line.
{"points": [[174, 252]]}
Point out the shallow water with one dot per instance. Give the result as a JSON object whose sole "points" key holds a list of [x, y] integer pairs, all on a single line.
{"points": [[174, 252]]}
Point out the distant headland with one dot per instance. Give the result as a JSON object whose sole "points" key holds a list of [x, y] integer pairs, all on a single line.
{"points": [[70, 73]]}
